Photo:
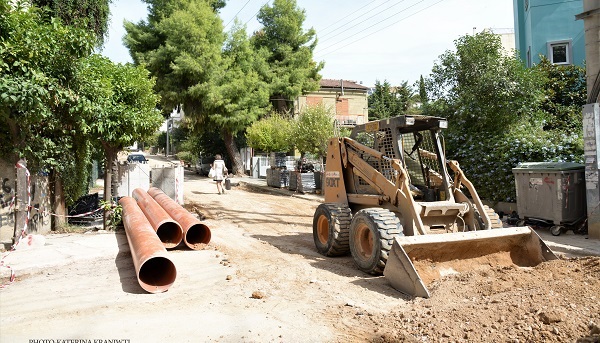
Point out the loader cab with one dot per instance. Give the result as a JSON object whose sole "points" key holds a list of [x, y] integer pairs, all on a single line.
{"points": [[415, 141]]}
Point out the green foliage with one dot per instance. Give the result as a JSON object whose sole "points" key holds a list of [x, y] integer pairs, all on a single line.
{"points": [[498, 114], [115, 213], [314, 127], [273, 133], [565, 94], [387, 101], [57, 100], [479, 89], [345, 132], [289, 48], [122, 100], [488, 161], [91, 15], [422, 91], [180, 44], [238, 96], [187, 157], [41, 113]]}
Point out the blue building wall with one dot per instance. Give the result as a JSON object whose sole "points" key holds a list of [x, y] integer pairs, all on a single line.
{"points": [[538, 22]]}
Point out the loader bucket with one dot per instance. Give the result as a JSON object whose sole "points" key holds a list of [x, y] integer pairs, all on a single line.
{"points": [[416, 261]]}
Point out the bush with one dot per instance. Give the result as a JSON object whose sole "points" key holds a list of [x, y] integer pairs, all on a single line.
{"points": [[488, 161], [187, 157], [273, 133]]}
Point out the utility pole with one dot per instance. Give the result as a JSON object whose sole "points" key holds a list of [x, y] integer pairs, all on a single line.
{"points": [[591, 114], [167, 149]]}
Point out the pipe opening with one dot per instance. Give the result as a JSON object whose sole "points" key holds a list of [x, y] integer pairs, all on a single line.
{"points": [[197, 234], [170, 234], [157, 274]]}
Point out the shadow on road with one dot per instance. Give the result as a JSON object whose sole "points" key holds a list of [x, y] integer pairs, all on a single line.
{"points": [[300, 243], [294, 236], [124, 263]]}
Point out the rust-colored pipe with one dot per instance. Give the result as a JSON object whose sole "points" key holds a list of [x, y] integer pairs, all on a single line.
{"points": [[155, 271], [167, 229], [194, 232]]}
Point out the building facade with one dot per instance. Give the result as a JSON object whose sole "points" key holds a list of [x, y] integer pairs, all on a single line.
{"points": [[549, 28], [347, 99]]}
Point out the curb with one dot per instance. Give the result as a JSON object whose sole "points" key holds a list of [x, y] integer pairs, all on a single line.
{"points": [[571, 250], [282, 191]]}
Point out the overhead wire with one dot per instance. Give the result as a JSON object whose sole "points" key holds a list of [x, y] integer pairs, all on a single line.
{"points": [[376, 23], [350, 22], [255, 14], [379, 30], [364, 20], [235, 16]]}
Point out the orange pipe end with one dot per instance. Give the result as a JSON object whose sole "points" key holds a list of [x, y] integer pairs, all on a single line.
{"points": [[168, 230], [195, 232], [155, 271]]}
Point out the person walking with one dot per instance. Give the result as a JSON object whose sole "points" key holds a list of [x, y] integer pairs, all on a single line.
{"points": [[219, 173]]}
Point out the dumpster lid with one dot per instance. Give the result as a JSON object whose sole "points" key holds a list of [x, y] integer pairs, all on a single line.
{"points": [[547, 166]]}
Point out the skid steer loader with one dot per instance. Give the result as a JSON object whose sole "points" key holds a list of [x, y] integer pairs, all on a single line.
{"points": [[391, 202]]}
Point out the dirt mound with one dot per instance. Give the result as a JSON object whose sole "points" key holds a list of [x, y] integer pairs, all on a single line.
{"points": [[556, 301]]}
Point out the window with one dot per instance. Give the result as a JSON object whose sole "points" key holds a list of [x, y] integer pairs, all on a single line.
{"points": [[529, 57], [526, 5], [560, 52]]}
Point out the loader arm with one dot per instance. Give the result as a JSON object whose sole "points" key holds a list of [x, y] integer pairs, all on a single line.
{"points": [[398, 193], [460, 179]]}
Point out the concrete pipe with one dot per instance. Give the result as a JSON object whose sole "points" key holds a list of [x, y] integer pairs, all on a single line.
{"points": [[194, 232], [167, 229], [155, 271]]}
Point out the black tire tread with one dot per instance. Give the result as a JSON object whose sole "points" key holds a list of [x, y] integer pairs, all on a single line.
{"points": [[341, 216], [494, 217], [388, 228]]}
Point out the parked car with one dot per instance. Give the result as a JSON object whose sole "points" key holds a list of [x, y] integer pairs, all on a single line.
{"points": [[136, 158], [203, 165]]}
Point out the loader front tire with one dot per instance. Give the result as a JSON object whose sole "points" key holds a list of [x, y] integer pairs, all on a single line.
{"points": [[331, 227], [372, 234]]}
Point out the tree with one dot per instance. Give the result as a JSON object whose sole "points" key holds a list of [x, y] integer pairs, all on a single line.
{"points": [[496, 118], [123, 107], [422, 91], [314, 126], [485, 90], [565, 94], [271, 134], [292, 71], [180, 44], [219, 83], [238, 96], [41, 115], [387, 101], [91, 15]]}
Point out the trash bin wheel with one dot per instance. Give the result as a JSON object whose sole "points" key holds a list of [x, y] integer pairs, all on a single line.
{"points": [[556, 230]]}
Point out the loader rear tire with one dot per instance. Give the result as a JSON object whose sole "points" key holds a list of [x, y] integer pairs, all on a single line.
{"points": [[372, 234], [331, 228]]}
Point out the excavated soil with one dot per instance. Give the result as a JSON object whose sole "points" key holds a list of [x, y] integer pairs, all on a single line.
{"points": [[261, 280], [557, 301]]}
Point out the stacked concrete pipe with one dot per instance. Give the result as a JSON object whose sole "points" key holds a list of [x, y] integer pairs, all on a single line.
{"points": [[155, 271], [194, 232], [167, 229]]}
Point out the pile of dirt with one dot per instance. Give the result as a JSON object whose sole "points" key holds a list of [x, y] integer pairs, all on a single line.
{"points": [[556, 301]]}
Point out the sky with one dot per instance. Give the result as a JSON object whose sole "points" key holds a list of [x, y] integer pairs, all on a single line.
{"points": [[359, 40]]}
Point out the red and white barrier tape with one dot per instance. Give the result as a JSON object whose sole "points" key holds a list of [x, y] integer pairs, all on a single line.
{"points": [[25, 226], [24, 231]]}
